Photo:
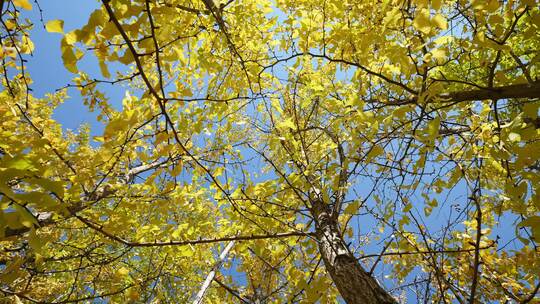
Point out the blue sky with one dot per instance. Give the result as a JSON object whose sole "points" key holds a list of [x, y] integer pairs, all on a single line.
{"points": [[46, 67]]}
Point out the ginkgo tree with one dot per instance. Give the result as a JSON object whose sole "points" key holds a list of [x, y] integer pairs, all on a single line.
{"points": [[283, 151]]}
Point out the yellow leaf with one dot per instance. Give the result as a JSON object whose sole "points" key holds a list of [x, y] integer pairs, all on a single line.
{"points": [[104, 69], [493, 5], [55, 26], [286, 123], [514, 137], [123, 271], [421, 21], [68, 56], [35, 242], [478, 4], [385, 4], [352, 208], [436, 4], [443, 40], [427, 57], [534, 223], [376, 150], [219, 171], [57, 187], [433, 128], [439, 55], [440, 21], [127, 58], [22, 217], [407, 208], [27, 46], [186, 251], [133, 294], [23, 3], [71, 37], [18, 163]]}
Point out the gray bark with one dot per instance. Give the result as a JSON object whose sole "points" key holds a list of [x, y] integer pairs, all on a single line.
{"points": [[355, 285]]}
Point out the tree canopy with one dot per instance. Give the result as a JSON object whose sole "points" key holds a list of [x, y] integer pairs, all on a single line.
{"points": [[377, 151]]}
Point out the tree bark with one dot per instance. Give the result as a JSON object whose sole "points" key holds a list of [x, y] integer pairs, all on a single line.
{"points": [[354, 284], [524, 90], [210, 277]]}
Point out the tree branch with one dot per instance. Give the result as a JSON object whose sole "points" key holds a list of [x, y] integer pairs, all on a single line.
{"points": [[526, 90]]}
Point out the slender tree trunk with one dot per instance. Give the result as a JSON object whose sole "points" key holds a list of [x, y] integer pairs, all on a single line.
{"points": [[210, 277], [355, 285]]}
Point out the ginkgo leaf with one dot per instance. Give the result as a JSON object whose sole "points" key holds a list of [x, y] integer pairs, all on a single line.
{"points": [[23, 3], [407, 208], [514, 137], [421, 22], [57, 187], [19, 163], [432, 130], [71, 37], [443, 40], [440, 21], [186, 251], [534, 223], [351, 208], [122, 271], [24, 217], [436, 4], [55, 26], [27, 46], [439, 55], [69, 57], [287, 123], [104, 69], [133, 294]]}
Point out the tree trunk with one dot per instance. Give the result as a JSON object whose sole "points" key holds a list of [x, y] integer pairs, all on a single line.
{"points": [[355, 285]]}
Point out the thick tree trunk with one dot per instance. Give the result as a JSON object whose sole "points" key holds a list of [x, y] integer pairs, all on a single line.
{"points": [[355, 285]]}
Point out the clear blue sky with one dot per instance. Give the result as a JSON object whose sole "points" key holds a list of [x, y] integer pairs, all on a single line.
{"points": [[46, 67]]}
